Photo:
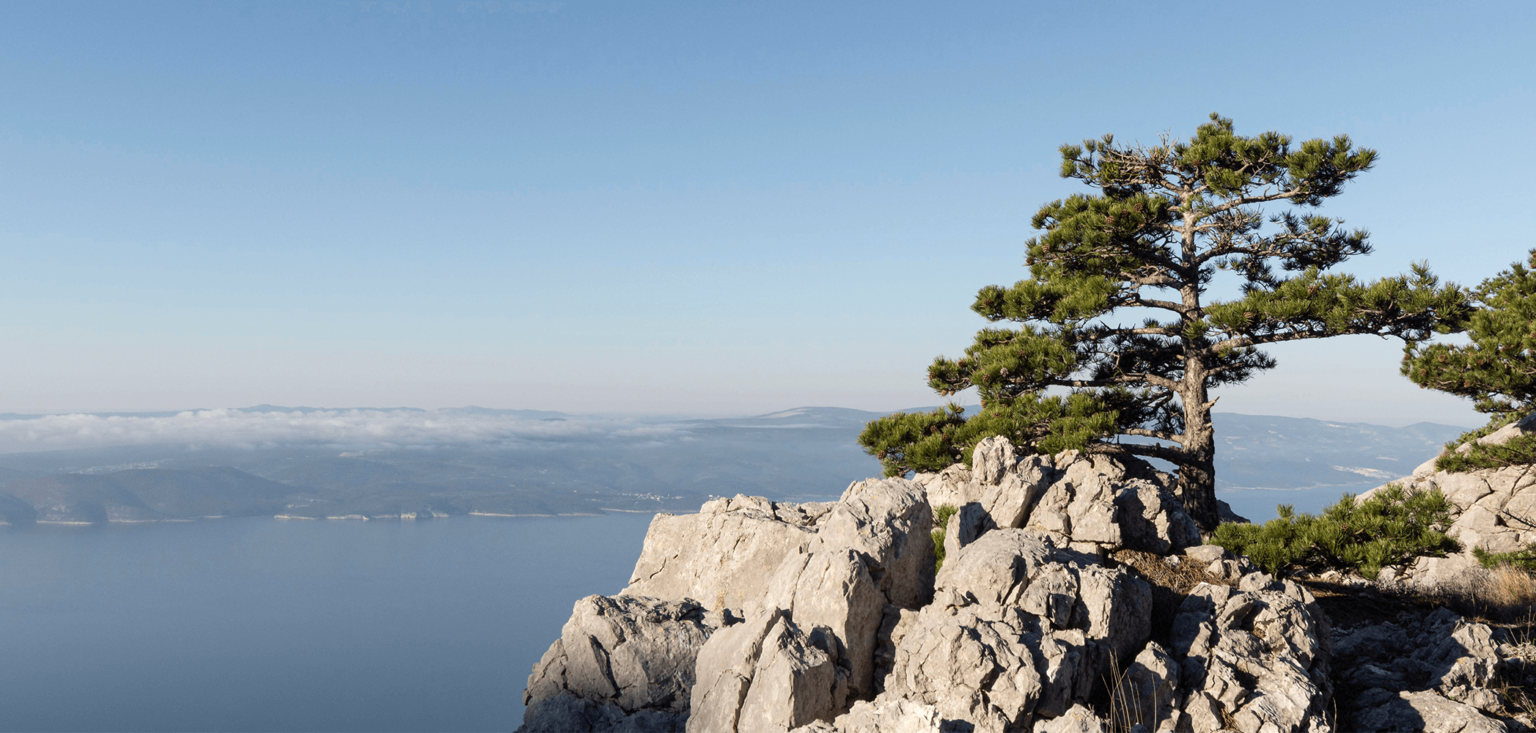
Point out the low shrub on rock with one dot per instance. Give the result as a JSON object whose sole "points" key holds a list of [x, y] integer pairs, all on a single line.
{"points": [[941, 517], [1519, 450], [1522, 559], [1389, 528]]}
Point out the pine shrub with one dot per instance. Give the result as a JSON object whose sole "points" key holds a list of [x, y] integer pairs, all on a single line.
{"points": [[1389, 528], [1523, 559], [1518, 451]]}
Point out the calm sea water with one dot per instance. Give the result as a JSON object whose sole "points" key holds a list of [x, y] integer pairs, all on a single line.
{"points": [[1259, 505], [260, 624]]}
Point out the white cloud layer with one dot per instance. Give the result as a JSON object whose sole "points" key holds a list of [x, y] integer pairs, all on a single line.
{"points": [[370, 428]]}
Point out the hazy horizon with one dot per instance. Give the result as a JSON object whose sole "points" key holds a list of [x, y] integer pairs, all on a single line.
{"points": [[403, 426]]}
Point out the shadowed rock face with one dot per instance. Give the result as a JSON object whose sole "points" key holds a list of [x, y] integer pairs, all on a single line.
{"points": [[828, 618], [1438, 672], [618, 657]]}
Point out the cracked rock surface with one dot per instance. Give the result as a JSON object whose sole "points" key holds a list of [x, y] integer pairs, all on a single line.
{"points": [[1075, 596]]}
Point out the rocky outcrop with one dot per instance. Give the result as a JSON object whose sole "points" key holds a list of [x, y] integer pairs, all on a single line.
{"points": [[1095, 503], [619, 658], [1491, 509], [1018, 629], [724, 556], [1054, 611], [767, 674], [1437, 672], [1257, 655], [800, 592]]}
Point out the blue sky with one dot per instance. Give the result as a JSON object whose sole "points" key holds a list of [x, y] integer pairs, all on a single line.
{"points": [[702, 208]]}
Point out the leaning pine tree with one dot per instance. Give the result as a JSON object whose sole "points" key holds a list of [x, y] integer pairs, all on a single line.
{"points": [[1117, 333]]}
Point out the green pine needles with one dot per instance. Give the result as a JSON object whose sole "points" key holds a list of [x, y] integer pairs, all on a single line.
{"points": [[1524, 559], [1498, 368], [1518, 451], [1391, 527], [1115, 332]]}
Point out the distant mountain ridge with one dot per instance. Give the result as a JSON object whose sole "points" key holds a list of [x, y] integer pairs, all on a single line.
{"points": [[589, 465]]}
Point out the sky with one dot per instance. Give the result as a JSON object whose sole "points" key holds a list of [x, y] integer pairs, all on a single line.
{"points": [[674, 208]]}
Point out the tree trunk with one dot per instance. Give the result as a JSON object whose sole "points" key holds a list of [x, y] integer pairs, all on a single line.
{"points": [[1197, 481], [1197, 472]]}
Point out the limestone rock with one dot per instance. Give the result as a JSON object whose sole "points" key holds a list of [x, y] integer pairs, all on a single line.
{"points": [[618, 657], [1259, 657], [991, 459], [572, 715], [836, 590], [1491, 509], [887, 521], [1077, 720], [766, 674], [872, 550], [894, 716], [953, 486], [1440, 665], [1426, 712], [968, 522], [1110, 502], [1018, 629], [723, 556], [1149, 690], [1467, 657]]}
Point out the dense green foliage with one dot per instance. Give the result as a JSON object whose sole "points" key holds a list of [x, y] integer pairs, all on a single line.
{"points": [[1115, 330], [930, 441], [1524, 559], [941, 517], [1389, 528], [1497, 368], [1518, 451]]}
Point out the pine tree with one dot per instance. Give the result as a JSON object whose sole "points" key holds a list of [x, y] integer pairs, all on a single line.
{"points": [[1117, 334], [1498, 368]]}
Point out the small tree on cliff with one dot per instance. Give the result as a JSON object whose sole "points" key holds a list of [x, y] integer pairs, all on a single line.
{"points": [[1117, 333], [1498, 368]]}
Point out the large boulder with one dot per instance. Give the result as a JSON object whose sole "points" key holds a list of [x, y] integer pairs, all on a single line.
{"points": [[724, 556], [766, 674], [618, 658], [871, 551], [1149, 689]]}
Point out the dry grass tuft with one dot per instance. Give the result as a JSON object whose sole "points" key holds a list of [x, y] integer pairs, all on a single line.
{"points": [[1170, 584], [1502, 595], [1511, 587]]}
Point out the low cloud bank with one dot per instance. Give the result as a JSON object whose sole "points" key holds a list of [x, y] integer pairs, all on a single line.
{"points": [[268, 428]]}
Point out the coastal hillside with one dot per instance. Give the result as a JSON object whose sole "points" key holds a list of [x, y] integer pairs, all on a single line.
{"points": [[519, 462]]}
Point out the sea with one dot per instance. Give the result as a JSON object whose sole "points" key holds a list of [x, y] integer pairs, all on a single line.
{"points": [[259, 624]]}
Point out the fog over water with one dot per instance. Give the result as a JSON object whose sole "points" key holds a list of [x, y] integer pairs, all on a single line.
{"points": [[256, 624]]}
